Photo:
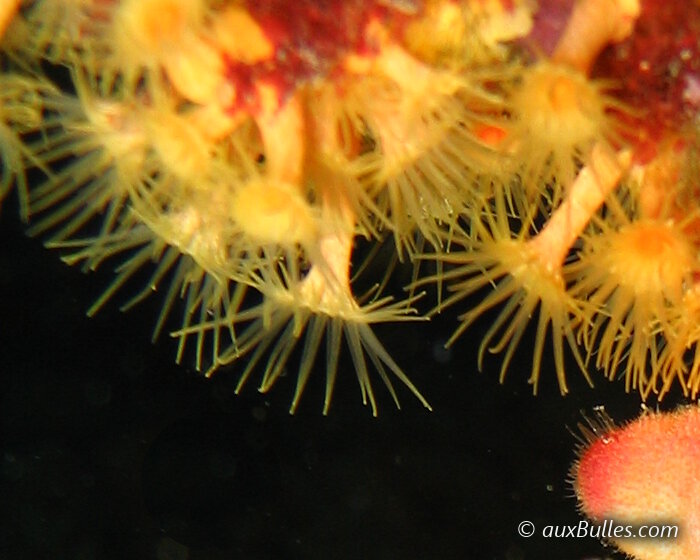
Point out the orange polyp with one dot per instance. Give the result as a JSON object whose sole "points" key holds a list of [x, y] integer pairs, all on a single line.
{"points": [[646, 472], [558, 116], [651, 258], [561, 105]]}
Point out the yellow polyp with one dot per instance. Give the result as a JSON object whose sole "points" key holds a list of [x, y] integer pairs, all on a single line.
{"points": [[636, 277], [180, 146], [526, 289], [284, 319], [651, 258], [213, 120], [559, 105], [558, 116], [240, 36], [516, 276], [460, 34], [94, 152], [195, 70], [274, 212], [437, 35], [414, 164], [156, 25], [155, 39], [314, 308]]}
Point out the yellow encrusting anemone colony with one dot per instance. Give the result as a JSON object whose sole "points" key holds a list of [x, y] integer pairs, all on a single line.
{"points": [[240, 148]]}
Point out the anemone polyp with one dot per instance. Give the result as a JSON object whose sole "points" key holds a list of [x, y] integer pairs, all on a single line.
{"points": [[559, 103], [558, 114], [650, 257], [636, 277], [157, 36]]}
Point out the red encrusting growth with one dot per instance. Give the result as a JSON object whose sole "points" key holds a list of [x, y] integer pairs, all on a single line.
{"points": [[310, 39], [645, 472], [660, 63]]}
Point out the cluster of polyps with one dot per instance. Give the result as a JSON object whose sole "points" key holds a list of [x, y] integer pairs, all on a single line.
{"points": [[240, 147]]}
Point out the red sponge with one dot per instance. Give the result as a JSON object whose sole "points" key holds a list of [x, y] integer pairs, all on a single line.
{"points": [[642, 474]]}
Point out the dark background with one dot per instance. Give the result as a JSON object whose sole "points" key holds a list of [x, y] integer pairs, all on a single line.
{"points": [[108, 449]]}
